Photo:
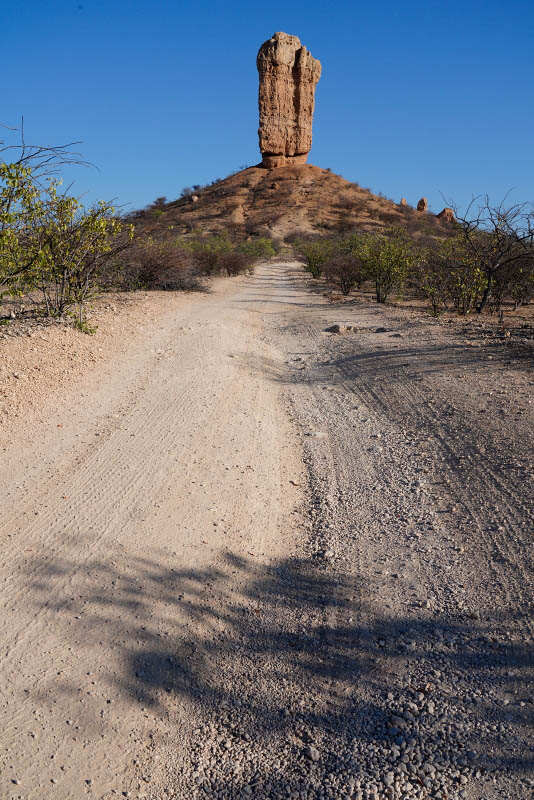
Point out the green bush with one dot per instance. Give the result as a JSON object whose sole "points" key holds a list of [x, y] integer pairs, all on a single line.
{"points": [[316, 254], [258, 248], [218, 253], [466, 285], [50, 243], [388, 258], [207, 252], [433, 272]]}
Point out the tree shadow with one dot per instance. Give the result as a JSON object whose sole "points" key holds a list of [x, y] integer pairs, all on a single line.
{"points": [[299, 658]]}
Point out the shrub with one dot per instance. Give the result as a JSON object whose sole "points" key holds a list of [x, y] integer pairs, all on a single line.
{"points": [[500, 240], [345, 270], [235, 262], [49, 242], [315, 253], [435, 272], [208, 251], [446, 273], [218, 253], [467, 285], [260, 247], [75, 246], [388, 258], [346, 202], [156, 265]]}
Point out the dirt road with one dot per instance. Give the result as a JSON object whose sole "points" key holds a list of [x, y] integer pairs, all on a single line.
{"points": [[258, 559]]}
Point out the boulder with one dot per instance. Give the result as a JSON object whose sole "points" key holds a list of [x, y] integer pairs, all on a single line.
{"points": [[422, 205], [340, 328], [288, 77], [447, 215], [403, 201]]}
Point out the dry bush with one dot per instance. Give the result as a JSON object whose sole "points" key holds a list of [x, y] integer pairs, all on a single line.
{"points": [[346, 271], [346, 202], [235, 263], [389, 217], [155, 265], [361, 206], [345, 222], [297, 236], [500, 239]]}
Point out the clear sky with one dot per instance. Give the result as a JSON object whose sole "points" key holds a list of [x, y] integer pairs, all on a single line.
{"points": [[416, 98]]}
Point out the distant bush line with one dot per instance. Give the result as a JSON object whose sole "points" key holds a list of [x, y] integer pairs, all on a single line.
{"points": [[485, 260], [184, 263]]}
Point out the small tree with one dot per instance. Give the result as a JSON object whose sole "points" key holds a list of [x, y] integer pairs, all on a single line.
{"points": [[24, 172], [74, 245], [444, 272], [20, 208], [315, 253], [388, 258], [498, 238]]}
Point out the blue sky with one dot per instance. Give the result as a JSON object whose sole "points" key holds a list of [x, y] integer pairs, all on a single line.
{"points": [[416, 98]]}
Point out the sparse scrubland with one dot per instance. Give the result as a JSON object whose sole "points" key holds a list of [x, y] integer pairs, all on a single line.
{"points": [[485, 260], [244, 555], [56, 254]]}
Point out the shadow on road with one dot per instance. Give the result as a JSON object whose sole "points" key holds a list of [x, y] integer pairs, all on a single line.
{"points": [[298, 651]]}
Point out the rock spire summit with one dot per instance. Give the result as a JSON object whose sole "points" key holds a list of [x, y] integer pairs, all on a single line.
{"points": [[288, 77]]}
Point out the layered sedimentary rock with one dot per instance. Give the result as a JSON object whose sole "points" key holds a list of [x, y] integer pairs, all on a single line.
{"points": [[288, 77]]}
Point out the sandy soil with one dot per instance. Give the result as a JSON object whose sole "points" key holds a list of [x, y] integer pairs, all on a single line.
{"points": [[245, 557], [125, 492]]}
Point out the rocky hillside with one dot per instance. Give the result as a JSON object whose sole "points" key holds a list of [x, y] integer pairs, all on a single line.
{"points": [[297, 199]]}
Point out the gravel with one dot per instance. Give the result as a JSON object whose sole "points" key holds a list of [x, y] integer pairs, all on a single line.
{"points": [[388, 655], [376, 663]]}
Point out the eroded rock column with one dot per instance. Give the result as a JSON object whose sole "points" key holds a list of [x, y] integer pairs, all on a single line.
{"points": [[288, 77]]}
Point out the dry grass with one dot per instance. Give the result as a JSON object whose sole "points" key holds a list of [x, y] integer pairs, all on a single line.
{"points": [[281, 201]]}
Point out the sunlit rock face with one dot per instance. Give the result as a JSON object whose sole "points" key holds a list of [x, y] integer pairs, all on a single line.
{"points": [[288, 77]]}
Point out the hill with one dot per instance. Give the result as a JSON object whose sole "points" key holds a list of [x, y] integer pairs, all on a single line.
{"points": [[282, 202]]}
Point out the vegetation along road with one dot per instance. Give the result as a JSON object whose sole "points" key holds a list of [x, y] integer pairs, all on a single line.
{"points": [[243, 556]]}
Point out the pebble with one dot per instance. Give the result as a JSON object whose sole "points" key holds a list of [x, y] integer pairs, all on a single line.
{"points": [[312, 753]]}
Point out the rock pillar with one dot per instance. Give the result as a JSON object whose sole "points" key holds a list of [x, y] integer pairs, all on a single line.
{"points": [[288, 77]]}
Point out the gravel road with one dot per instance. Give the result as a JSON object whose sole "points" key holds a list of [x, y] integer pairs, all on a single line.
{"points": [[265, 560]]}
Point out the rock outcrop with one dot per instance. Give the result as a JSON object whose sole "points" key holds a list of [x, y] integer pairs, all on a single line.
{"points": [[288, 77], [403, 201], [422, 205], [447, 215]]}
